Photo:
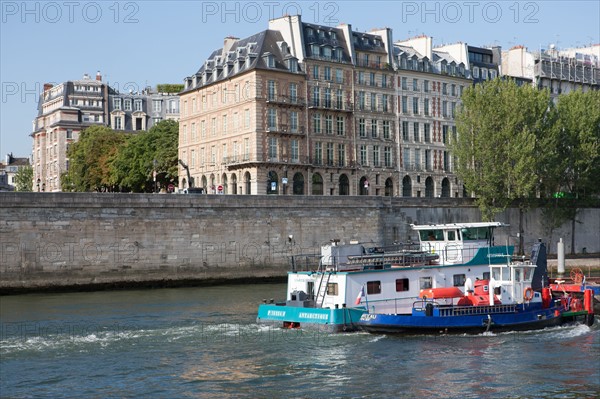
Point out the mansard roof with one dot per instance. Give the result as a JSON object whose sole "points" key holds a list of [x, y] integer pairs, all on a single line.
{"points": [[244, 55]]}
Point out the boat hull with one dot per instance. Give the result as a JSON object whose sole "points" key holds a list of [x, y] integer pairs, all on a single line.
{"points": [[331, 320], [522, 318]]}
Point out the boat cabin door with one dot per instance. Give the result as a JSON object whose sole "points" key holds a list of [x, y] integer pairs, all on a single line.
{"points": [[310, 290]]}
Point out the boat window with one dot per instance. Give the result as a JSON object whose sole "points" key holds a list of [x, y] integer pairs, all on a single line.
{"points": [[505, 274], [475, 233], [451, 235], [425, 282], [496, 273], [517, 275], [486, 275], [401, 284], [527, 274], [332, 289], [373, 287], [432, 235], [459, 280]]}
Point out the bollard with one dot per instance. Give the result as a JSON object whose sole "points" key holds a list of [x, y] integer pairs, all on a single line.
{"points": [[560, 253]]}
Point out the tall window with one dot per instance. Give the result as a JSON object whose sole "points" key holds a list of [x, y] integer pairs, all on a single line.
{"points": [[193, 132], [293, 92], [203, 129], [386, 129], [318, 153], [373, 128], [339, 76], [404, 104], [316, 70], [362, 132], [426, 106], [405, 133], [330, 154], [294, 121], [373, 101], [156, 105], [328, 124], [427, 132], [328, 97], [327, 73], [246, 149], [384, 102], [271, 90], [224, 124], [341, 155], [317, 122], [339, 99], [213, 123], [387, 156], [415, 84], [416, 133], [404, 83], [316, 96], [361, 100], [272, 148], [247, 118], [272, 118], [376, 155], [340, 125], [294, 150], [363, 155], [415, 105]]}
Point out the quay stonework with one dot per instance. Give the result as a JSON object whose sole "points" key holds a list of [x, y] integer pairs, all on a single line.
{"points": [[87, 240]]}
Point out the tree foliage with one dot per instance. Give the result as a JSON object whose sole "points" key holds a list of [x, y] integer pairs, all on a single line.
{"points": [[497, 147], [572, 165], [155, 150], [90, 159], [24, 179]]}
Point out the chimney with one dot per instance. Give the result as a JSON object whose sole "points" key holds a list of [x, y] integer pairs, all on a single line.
{"points": [[47, 86], [98, 76], [228, 43]]}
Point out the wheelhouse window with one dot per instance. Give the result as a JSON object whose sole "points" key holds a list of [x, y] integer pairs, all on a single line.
{"points": [[459, 280], [431, 235], [425, 283], [373, 287], [402, 285], [332, 289]]}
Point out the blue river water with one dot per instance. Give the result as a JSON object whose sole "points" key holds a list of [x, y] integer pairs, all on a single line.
{"points": [[204, 343]]}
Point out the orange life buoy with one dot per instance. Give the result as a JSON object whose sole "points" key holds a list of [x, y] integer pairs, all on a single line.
{"points": [[528, 294]]}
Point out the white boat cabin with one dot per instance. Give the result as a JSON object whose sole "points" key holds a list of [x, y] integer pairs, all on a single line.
{"points": [[456, 242], [386, 286]]}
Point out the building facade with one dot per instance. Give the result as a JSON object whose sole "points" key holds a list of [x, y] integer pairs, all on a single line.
{"points": [[9, 169], [306, 109], [66, 109], [559, 71], [430, 83]]}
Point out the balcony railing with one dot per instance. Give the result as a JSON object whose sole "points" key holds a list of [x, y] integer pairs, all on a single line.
{"points": [[286, 100], [285, 129], [333, 106]]}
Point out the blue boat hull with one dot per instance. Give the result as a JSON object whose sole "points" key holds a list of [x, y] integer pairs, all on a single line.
{"points": [[332, 320], [521, 317]]}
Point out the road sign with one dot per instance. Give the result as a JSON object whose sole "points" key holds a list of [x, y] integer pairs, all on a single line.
{"points": [[220, 189]]}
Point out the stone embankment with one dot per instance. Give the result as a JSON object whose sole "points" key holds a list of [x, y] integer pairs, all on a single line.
{"points": [[57, 241]]}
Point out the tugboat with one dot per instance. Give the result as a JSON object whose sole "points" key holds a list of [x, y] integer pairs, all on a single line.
{"points": [[505, 302], [351, 280]]}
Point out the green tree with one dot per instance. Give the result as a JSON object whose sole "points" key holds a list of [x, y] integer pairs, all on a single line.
{"points": [[90, 159], [497, 147], [155, 150], [24, 179], [571, 161]]}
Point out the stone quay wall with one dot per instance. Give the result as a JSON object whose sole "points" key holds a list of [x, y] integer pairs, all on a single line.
{"points": [[92, 240]]}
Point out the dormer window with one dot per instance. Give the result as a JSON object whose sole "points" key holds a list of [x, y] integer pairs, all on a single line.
{"points": [[270, 61], [327, 52], [322, 34], [292, 64], [315, 49], [333, 35]]}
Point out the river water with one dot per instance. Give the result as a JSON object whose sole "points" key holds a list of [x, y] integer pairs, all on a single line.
{"points": [[204, 343]]}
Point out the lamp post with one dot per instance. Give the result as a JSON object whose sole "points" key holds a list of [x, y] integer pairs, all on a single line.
{"points": [[38, 185]]}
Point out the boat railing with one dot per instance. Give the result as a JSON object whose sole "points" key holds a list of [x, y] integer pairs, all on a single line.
{"points": [[305, 263], [387, 304], [476, 310]]}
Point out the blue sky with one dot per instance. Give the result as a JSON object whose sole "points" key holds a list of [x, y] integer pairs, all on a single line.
{"points": [[141, 43]]}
